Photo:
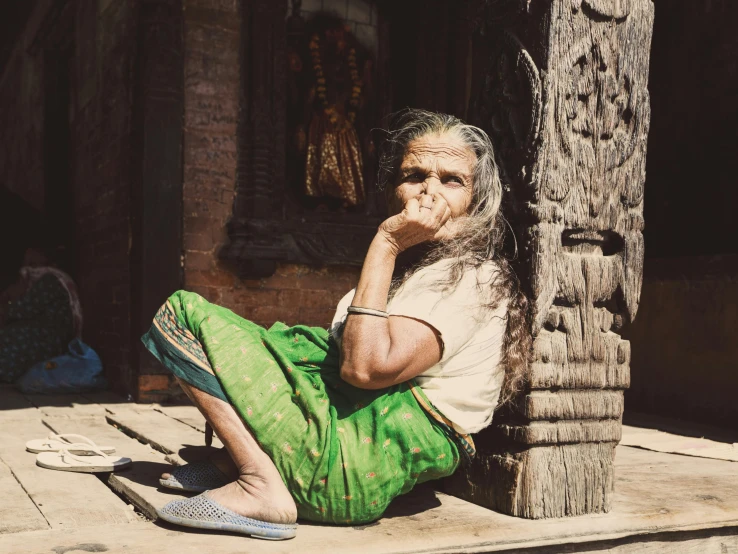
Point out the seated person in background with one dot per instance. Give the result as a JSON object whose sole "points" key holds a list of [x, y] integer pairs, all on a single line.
{"points": [[39, 314], [331, 427]]}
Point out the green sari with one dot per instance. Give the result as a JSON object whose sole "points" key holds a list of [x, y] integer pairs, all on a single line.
{"points": [[344, 453]]}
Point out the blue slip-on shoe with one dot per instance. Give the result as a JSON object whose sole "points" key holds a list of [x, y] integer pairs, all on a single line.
{"points": [[195, 477], [202, 512]]}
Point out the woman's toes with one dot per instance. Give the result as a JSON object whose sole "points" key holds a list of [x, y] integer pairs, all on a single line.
{"points": [[165, 476]]}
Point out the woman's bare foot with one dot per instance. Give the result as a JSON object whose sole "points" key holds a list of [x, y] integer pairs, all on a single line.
{"points": [[222, 460], [259, 494], [258, 491]]}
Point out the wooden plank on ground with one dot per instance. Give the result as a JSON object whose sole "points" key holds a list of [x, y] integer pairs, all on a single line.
{"points": [[660, 441], [180, 442], [13, 405], [66, 499], [189, 415], [448, 526], [140, 483], [107, 397], [58, 405], [17, 511], [680, 427]]}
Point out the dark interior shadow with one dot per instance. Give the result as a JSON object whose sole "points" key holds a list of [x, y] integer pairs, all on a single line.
{"points": [[191, 453], [422, 498], [12, 399], [146, 474], [679, 427]]}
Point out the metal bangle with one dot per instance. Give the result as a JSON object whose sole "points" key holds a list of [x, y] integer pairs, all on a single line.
{"points": [[366, 311]]}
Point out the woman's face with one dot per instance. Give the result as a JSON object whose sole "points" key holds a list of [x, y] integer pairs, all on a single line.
{"points": [[436, 163]]}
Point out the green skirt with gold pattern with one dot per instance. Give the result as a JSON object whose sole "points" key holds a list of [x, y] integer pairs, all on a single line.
{"points": [[344, 453]]}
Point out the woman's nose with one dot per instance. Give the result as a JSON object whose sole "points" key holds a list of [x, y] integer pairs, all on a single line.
{"points": [[431, 185]]}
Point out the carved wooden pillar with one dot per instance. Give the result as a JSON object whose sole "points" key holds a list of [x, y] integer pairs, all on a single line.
{"points": [[565, 100]]}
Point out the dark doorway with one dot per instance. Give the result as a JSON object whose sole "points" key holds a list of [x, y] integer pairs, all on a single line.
{"points": [[58, 171]]}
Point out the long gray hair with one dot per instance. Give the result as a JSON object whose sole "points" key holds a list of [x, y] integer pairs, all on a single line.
{"points": [[479, 236]]}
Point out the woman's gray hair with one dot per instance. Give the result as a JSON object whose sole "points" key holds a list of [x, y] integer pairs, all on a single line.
{"points": [[479, 235], [478, 238]]}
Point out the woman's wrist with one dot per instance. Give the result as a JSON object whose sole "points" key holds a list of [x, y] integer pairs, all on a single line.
{"points": [[384, 243]]}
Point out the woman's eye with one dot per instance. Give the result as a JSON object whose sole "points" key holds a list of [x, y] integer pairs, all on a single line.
{"points": [[413, 177], [453, 179]]}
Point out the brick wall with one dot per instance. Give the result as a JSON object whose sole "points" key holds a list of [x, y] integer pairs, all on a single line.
{"points": [[106, 42], [101, 67], [295, 294], [100, 71]]}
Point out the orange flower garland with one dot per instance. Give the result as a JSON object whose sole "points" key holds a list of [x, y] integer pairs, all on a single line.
{"points": [[320, 82]]}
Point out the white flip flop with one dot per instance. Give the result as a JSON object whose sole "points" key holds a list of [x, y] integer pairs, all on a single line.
{"points": [[54, 443], [97, 462]]}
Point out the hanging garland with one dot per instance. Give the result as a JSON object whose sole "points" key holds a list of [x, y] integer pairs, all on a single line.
{"points": [[321, 88]]}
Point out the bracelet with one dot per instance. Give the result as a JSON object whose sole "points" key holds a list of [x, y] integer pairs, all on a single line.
{"points": [[366, 311]]}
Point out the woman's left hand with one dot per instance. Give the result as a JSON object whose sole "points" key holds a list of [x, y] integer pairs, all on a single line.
{"points": [[423, 219]]}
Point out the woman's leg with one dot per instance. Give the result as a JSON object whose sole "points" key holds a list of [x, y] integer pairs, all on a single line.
{"points": [[259, 491], [220, 458]]}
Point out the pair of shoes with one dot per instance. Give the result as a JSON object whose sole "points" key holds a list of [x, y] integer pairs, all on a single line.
{"points": [[54, 443], [70, 452], [202, 512]]}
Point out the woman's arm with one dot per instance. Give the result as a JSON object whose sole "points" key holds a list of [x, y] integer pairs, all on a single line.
{"points": [[379, 352]]}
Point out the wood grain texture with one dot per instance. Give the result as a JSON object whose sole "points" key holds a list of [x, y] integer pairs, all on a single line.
{"points": [[542, 481], [163, 433], [563, 432], [139, 484], [571, 404], [67, 405], [189, 415], [66, 499], [13, 405], [650, 515], [572, 144], [17, 511]]}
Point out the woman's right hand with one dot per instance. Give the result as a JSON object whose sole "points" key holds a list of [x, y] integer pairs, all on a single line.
{"points": [[423, 218]]}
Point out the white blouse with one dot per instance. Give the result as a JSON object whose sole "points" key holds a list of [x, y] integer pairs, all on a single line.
{"points": [[465, 384]]}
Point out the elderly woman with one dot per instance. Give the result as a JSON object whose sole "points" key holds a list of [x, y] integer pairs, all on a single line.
{"points": [[332, 426]]}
